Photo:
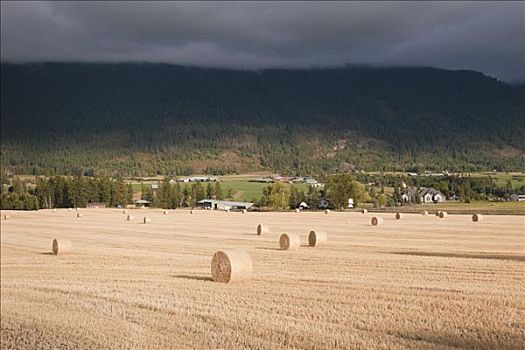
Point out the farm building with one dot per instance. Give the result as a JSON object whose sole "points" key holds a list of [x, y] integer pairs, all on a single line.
{"points": [[262, 180], [223, 205], [425, 194], [199, 179], [96, 205], [142, 203], [310, 181], [517, 197]]}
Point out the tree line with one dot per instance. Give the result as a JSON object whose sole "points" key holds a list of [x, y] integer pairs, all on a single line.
{"points": [[65, 192]]}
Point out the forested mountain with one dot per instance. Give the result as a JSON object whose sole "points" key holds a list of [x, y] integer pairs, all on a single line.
{"points": [[144, 119]]}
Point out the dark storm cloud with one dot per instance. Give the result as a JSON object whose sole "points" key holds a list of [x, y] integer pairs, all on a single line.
{"points": [[482, 36]]}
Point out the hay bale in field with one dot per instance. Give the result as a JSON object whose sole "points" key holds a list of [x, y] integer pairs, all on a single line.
{"points": [[146, 220], [399, 216], [424, 213], [244, 211], [364, 211], [191, 211], [227, 210], [327, 211], [231, 265], [166, 212], [69, 209], [438, 213], [376, 220], [61, 246], [124, 212], [130, 217], [317, 238], [477, 217], [443, 214], [289, 241], [297, 210], [262, 229], [6, 217], [54, 211], [79, 215]]}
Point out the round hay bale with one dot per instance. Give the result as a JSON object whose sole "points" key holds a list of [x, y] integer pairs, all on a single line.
{"points": [[61, 246], [231, 265], [376, 220], [146, 220], [79, 215], [398, 216], [317, 238], [165, 212], [227, 210], [424, 213], [327, 211], [54, 211], [289, 241], [191, 211], [6, 217], [297, 210], [262, 229], [438, 213], [244, 211], [69, 209], [443, 214], [477, 217], [124, 211], [130, 217], [364, 211]]}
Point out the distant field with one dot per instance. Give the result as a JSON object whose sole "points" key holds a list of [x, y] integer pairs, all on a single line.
{"points": [[417, 283], [242, 189], [247, 191], [517, 179], [508, 208]]}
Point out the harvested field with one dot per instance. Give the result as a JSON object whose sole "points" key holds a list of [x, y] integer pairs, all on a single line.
{"points": [[417, 283]]}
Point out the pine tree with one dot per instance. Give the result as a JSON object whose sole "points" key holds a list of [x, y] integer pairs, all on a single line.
{"points": [[218, 191]]}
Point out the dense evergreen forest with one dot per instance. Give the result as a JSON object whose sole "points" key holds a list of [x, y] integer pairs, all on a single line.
{"points": [[65, 192], [147, 119]]}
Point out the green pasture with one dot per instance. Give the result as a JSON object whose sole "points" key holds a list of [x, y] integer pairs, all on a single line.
{"points": [[242, 190]]}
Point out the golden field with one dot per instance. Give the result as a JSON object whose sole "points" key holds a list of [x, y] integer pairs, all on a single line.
{"points": [[417, 283]]}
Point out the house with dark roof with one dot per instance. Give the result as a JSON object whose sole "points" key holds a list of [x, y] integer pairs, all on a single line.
{"points": [[142, 203], [425, 194]]}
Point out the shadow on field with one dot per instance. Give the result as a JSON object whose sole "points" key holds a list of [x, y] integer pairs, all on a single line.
{"points": [[468, 340], [46, 253], [266, 248], [194, 277], [464, 255]]}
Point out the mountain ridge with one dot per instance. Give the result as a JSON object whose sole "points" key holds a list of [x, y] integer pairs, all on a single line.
{"points": [[144, 119]]}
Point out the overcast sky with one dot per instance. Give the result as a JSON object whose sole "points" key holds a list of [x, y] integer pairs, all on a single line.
{"points": [[484, 36]]}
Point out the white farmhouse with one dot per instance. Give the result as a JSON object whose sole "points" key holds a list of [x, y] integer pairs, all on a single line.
{"points": [[425, 194]]}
